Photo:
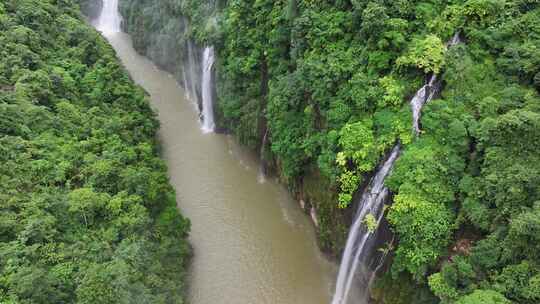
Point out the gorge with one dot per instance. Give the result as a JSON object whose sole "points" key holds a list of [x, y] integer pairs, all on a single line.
{"points": [[264, 97], [252, 244], [239, 151]]}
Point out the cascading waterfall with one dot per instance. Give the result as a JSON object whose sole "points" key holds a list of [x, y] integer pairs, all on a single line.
{"points": [[427, 92], [206, 86], [109, 20], [360, 241], [423, 95]]}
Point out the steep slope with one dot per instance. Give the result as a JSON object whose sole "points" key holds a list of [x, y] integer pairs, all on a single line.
{"points": [[87, 214], [329, 84]]}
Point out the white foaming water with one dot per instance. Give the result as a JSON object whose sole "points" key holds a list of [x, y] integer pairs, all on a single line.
{"points": [[359, 241], [109, 20], [422, 96], [206, 87], [185, 84]]}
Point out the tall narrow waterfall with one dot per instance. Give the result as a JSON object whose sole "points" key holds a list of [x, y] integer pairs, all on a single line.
{"points": [[360, 240], [355, 263], [109, 20], [206, 86]]}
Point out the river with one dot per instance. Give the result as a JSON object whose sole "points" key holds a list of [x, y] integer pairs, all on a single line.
{"points": [[252, 243]]}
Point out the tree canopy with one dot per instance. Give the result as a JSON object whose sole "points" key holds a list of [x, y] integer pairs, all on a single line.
{"points": [[87, 214], [331, 82]]}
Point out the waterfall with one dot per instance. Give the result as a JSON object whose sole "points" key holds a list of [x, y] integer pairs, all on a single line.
{"points": [[422, 96], [192, 74], [185, 83], [360, 240], [455, 40], [109, 20], [427, 92], [262, 168], [206, 86]]}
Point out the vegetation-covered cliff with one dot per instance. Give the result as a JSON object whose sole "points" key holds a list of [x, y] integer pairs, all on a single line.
{"points": [[91, 8], [87, 214], [330, 81]]}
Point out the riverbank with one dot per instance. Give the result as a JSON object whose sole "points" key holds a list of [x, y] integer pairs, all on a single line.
{"points": [[252, 244]]}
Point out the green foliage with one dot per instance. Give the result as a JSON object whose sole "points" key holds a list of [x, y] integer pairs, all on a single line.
{"points": [[394, 92], [331, 81], [483, 297], [371, 222], [87, 214], [349, 182], [441, 288], [426, 54], [424, 228]]}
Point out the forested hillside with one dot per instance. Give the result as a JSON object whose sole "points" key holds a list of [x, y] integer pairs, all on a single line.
{"points": [[331, 81], [87, 214]]}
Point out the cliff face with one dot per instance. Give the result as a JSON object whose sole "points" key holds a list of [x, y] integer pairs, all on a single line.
{"points": [[173, 35], [91, 8], [328, 86]]}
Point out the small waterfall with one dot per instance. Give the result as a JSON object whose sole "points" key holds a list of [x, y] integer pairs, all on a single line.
{"points": [[359, 241], [109, 20], [455, 40], [359, 247], [262, 168], [206, 86], [422, 96], [428, 91]]}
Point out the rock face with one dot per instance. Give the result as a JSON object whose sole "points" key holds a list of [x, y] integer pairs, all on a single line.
{"points": [[91, 8], [172, 45]]}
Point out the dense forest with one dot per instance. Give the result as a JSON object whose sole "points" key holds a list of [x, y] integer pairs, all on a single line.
{"points": [[330, 82], [87, 214]]}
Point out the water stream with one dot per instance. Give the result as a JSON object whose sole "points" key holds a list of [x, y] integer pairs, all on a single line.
{"points": [[360, 241], [359, 264], [252, 243]]}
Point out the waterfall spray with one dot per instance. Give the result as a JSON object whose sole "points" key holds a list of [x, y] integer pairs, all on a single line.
{"points": [[426, 93], [109, 20]]}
